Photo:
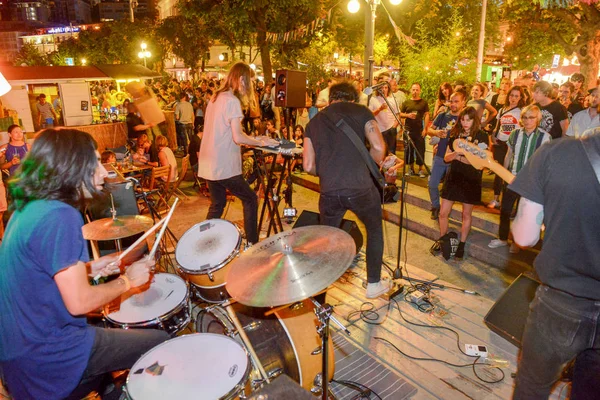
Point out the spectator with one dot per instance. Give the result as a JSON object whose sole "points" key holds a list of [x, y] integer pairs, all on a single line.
{"points": [[565, 96], [500, 99], [442, 103], [135, 125], [385, 116], [146, 152], [166, 157], [463, 183], [578, 81], [523, 142], [184, 122], [46, 114], [588, 118], [416, 112], [555, 120], [108, 157], [507, 121], [15, 150], [480, 105]]}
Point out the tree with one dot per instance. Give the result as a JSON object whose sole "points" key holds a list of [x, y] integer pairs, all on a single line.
{"points": [[238, 22], [186, 38], [30, 56], [572, 24]]}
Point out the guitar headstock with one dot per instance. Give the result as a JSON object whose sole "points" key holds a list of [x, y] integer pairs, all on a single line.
{"points": [[479, 157]]}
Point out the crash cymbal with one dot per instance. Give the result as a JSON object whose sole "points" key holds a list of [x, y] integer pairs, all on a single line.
{"points": [[121, 227], [290, 266]]}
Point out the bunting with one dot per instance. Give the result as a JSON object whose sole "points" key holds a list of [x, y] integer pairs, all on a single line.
{"points": [[301, 31]]}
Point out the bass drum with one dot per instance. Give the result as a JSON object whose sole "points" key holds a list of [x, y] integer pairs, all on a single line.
{"points": [[285, 341]]}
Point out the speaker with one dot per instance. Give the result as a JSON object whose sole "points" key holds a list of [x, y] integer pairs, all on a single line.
{"points": [[508, 315], [290, 88], [312, 218]]}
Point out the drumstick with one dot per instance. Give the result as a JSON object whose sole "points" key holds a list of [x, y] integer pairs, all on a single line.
{"points": [[134, 245], [162, 230]]}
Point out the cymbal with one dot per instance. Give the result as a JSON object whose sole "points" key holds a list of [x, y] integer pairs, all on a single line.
{"points": [[290, 266], [121, 227]]}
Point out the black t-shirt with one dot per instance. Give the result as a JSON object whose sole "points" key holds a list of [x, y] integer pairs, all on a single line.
{"points": [[340, 166], [552, 114], [193, 149], [132, 121], [560, 177], [573, 109], [468, 171], [415, 126]]}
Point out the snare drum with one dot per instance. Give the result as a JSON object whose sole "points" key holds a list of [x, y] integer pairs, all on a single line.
{"points": [[198, 366], [285, 342], [164, 305], [203, 254]]}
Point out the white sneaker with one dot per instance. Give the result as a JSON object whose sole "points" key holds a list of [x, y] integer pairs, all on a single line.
{"points": [[493, 204], [375, 290], [422, 174], [514, 249], [493, 244]]}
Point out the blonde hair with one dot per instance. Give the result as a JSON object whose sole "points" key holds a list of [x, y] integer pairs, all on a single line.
{"points": [[533, 109], [239, 80], [161, 141]]}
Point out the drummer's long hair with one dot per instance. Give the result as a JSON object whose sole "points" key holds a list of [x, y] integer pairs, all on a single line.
{"points": [[242, 88], [60, 163]]}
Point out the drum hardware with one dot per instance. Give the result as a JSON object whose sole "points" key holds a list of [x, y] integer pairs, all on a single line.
{"points": [[324, 315], [317, 388], [252, 326], [316, 351]]}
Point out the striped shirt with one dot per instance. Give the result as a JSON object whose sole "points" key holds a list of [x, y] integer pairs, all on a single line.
{"points": [[523, 146]]}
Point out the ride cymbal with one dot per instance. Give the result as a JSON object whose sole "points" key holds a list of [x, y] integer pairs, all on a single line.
{"points": [[121, 227], [290, 266]]}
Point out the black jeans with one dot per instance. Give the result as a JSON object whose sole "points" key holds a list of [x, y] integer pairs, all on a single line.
{"points": [[410, 155], [389, 136], [366, 204], [500, 151], [114, 350], [240, 189], [558, 329], [509, 198]]}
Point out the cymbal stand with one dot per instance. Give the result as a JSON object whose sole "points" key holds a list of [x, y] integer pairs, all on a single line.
{"points": [[324, 315]]}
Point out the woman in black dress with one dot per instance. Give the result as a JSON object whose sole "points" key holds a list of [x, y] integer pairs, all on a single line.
{"points": [[463, 181]]}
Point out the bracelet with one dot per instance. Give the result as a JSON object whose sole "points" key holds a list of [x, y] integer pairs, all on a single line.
{"points": [[127, 282]]}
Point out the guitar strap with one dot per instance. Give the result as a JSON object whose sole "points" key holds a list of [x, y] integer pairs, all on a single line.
{"points": [[592, 154]]}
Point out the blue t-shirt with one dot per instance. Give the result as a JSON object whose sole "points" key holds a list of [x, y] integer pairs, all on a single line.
{"points": [[44, 350], [444, 121]]}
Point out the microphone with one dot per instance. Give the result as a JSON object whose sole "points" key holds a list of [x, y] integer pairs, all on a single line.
{"points": [[369, 90]]}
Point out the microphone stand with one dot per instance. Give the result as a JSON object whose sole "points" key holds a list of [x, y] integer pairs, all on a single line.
{"points": [[408, 143]]}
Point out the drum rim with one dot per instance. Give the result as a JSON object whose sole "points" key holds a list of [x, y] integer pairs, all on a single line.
{"points": [[223, 263], [229, 395], [161, 318]]}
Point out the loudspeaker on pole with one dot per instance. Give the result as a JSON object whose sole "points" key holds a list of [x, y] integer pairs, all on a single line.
{"points": [[290, 88]]}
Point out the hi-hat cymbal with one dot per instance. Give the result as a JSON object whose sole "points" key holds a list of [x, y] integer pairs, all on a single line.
{"points": [[290, 266], [121, 227]]}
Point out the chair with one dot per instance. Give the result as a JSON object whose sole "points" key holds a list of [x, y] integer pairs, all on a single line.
{"points": [[154, 196], [185, 165]]}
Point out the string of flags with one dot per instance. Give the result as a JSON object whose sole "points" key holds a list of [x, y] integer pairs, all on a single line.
{"points": [[301, 31]]}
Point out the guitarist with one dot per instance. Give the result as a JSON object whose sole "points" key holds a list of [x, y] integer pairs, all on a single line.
{"points": [[522, 143]]}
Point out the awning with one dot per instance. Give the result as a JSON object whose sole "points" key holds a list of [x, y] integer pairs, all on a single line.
{"points": [[128, 71], [25, 75]]}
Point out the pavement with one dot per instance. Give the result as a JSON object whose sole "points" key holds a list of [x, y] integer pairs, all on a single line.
{"points": [[485, 271]]}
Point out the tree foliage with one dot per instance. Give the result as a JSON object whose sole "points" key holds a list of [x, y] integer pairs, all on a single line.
{"points": [[574, 25], [30, 56], [186, 38]]}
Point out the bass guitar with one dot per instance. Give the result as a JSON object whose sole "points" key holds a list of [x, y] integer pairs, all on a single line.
{"points": [[480, 157]]}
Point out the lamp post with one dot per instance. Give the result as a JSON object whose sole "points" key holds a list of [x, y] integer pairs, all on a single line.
{"points": [[144, 53], [83, 61], [353, 7]]}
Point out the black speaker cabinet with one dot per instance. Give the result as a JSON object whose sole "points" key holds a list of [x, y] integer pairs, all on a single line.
{"points": [[312, 218], [508, 315], [290, 88]]}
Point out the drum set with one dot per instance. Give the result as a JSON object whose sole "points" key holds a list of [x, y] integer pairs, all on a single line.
{"points": [[257, 317]]}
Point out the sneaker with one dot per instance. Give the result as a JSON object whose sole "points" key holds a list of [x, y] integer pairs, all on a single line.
{"points": [[422, 174], [493, 204], [435, 213], [514, 249], [494, 244], [409, 173], [375, 290]]}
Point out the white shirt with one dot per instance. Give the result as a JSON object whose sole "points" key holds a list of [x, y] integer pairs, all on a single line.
{"points": [[323, 98], [581, 122], [385, 119], [220, 157]]}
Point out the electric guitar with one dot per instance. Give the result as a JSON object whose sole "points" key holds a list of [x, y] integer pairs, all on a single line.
{"points": [[480, 157]]}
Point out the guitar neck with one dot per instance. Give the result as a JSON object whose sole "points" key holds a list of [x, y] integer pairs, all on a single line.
{"points": [[480, 158]]}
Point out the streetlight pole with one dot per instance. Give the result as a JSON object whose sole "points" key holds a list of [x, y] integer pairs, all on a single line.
{"points": [[480, 49], [370, 41]]}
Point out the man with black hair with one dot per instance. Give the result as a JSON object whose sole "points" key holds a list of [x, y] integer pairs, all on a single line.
{"points": [[578, 81], [345, 180], [47, 348]]}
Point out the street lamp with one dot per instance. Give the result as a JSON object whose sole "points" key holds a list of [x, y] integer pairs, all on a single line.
{"points": [[221, 57], [353, 7], [83, 61], [144, 53]]}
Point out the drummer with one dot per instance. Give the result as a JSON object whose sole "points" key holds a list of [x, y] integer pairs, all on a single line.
{"points": [[47, 349]]}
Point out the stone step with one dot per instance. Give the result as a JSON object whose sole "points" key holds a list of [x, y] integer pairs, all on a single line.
{"points": [[417, 219]]}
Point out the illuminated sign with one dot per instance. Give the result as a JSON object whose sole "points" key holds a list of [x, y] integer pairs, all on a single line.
{"points": [[63, 29]]}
